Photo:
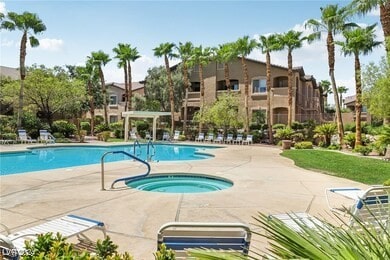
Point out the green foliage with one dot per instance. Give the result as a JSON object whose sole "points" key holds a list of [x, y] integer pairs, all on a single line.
{"points": [[351, 167], [379, 148], [142, 126], [64, 127], [258, 117], [384, 137], [105, 135], [278, 126], [350, 139], [85, 126], [325, 131], [8, 136], [386, 183], [284, 133], [106, 248], [117, 127], [101, 128], [363, 150], [350, 127], [334, 147], [303, 145], [297, 125], [164, 254]]}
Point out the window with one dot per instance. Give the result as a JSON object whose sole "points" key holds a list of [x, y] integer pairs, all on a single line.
{"points": [[113, 100], [233, 85], [113, 119], [220, 66], [281, 82], [259, 86], [195, 86]]}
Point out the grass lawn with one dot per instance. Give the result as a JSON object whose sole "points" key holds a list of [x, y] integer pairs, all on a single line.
{"points": [[357, 168]]}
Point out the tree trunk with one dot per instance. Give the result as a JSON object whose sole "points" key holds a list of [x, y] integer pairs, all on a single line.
{"points": [[22, 68], [384, 11], [201, 96], [186, 86], [268, 74], [126, 86], [104, 92], [91, 107], [290, 82], [331, 61], [170, 83], [130, 90], [227, 76], [358, 101], [246, 82]]}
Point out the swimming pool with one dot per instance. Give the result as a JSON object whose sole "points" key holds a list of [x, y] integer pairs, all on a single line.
{"points": [[43, 158], [180, 183]]}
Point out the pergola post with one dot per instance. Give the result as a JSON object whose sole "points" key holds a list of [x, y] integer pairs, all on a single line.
{"points": [[126, 128]]}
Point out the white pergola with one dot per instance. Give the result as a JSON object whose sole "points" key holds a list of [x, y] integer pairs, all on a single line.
{"points": [[142, 114]]}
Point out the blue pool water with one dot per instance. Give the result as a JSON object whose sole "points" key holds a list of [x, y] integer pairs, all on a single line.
{"points": [[38, 159], [180, 183]]}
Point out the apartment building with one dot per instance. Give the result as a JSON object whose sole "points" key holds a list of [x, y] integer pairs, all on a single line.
{"points": [[116, 95], [307, 100]]}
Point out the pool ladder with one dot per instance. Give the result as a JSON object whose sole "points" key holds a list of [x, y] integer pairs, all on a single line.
{"points": [[125, 179], [149, 155], [136, 143]]}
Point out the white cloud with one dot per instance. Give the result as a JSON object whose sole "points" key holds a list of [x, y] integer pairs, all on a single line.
{"points": [[7, 43], [375, 12], [51, 44], [2, 8]]}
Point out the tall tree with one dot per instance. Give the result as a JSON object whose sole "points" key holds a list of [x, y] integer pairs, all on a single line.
{"points": [[293, 40], [244, 47], [342, 90], [126, 54], [166, 50], [201, 57], [184, 52], [267, 44], [366, 6], [326, 90], [333, 21], [224, 54], [28, 24], [100, 59], [359, 41]]}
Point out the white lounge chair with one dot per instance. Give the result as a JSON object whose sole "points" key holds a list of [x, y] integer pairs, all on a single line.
{"points": [[238, 139], [200, 137], [67, 226], [372, 208], [248, 140], [46, 137], [229, 138], [166, 136], [176, 136], [228, 237], [219, 139], [133, 135], [24, 138], [148, 136], [210, 137]]}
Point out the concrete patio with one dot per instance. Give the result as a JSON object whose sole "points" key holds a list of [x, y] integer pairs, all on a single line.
{"points": [[263, 180]]}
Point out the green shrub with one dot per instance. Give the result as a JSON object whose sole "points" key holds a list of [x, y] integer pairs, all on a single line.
{"points": [[278, 126], [105, 135], [64, 127], [142, 126], [350, 127], [386, 183], [182, 138], [297, 125], [303, 145], [350, 139], [58, 135], [379, 148], [101, 128], [334, 147], [284, 133], [363, 150], [325, 132], [8, 136], [85, 126], [164, 254]]}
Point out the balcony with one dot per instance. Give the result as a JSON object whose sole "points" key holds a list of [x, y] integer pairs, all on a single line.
{"points": [[193, 96], [280, 91]]}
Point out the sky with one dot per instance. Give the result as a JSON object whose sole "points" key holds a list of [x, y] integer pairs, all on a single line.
{"points": [[77, 28]]}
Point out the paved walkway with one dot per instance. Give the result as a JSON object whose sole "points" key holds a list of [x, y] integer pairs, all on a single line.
{"points": [[263, 180]]}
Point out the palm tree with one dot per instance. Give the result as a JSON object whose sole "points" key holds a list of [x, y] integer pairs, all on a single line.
{"points": [[200, 57], [126, 55], [29, 24], [268, 44], [342, 90], [184, 52], [100, 59], [292, 40], [225, 53], [359, 41], [326, 90], [365, 6], [243, 47], [166, 50], [333, 20]]}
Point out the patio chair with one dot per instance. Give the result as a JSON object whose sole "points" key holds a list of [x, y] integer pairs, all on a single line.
{"points": [[46, 137], [210, 137], [238, 139], [24, 138], [229, 139], [200, 137], [372, 208], [227, 237], [219, 139], [166, 136], [68, 226], [148, 136], [248, 140], [176, 136], [133, 135]]}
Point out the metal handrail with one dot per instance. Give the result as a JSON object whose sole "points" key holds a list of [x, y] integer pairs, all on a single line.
{"points": [[148, 155], [134, 144], [125, 178]]}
